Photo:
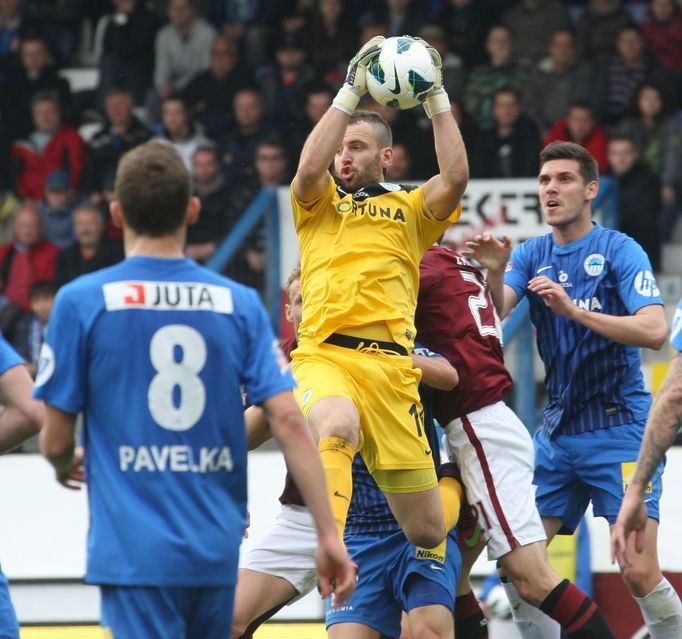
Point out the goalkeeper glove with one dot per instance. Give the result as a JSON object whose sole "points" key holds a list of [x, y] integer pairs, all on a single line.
{"points": [[355, 85], [437, 101]]}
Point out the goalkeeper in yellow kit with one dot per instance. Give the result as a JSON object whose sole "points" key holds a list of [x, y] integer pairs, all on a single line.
{"points": [[361, 243]]}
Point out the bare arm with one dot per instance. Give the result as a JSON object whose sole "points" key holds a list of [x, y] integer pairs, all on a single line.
{"points": [[647, 327], [23, 416], [318, 153], [257, 427], [335, 570], [663, 425], [437, 372], [58, 446], [443, 192]]}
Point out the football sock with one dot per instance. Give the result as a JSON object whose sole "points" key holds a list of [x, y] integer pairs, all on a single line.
{"points": [[531, 622], [337, 460], [470, 622], [662, 611], [576, 612], [451, 498]]}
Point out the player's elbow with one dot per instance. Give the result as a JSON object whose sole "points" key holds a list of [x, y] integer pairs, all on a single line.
{"points": [[658, 337], [53, 448], [447, 379]]}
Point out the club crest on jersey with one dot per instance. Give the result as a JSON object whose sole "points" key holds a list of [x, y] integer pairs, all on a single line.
{"points": [[167, 296], [563, 276], [645, 284], [594, 264]]}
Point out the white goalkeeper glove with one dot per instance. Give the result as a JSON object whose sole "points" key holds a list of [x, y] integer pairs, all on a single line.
{"points": [[437, 101], [355, 85]]}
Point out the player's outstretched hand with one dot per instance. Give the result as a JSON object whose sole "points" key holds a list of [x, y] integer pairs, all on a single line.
{"points": [[74, 477], [490, 252], [632, 517], [437, 101], [355, 84], [355, 76], [335, 571]]}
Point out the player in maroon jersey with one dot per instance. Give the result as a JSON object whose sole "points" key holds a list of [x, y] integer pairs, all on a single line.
{"points": [[456, 318]]}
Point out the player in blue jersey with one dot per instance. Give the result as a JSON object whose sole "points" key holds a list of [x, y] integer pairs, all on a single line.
{"points": [[594, 303], [663, 425], [21, 418], [155, 351]]}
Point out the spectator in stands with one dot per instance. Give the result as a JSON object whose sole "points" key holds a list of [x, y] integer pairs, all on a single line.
{"points": [[60, 23], [56, 210], [484, 80], [35, 74], [318, 98], [402, 16], [122, 131], [579, 126], [557, 81], [454, 74], [178, 129], [28, 258], [532, 22], [251, 23], [29, 333], [401, 165], [210, 94], [639, 196], [511, 148], [658, 138], [182, 48], [271, 170], [127, 58], [9, 203], [13, 27], [281, 84], [51, 146], [662, 30], [91, 251], [599, 26], [204, 236], [465, 22], [237, 149], [617, 77], [333, 40]]}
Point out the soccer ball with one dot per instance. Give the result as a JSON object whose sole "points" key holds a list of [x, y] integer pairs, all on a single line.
{"points": [[498, 604], [402, 75]]}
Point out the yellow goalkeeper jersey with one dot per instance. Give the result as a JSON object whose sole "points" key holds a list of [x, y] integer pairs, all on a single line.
{"points": [[360, 255]]}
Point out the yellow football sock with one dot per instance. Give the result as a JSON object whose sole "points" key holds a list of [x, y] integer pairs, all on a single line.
{"points": [[337, 459], [451, 497]]}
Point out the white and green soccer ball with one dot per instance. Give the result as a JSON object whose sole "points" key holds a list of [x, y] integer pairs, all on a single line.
{"points": [[402, 75]]}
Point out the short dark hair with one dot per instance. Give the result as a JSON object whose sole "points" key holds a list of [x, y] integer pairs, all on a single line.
{"points": [[43, 288], [560, 150], [45, 95], [153, 186], [622, 137], [117, 90], [585, 105], [381, 128]]}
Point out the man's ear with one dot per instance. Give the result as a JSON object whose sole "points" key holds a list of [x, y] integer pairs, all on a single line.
{"points": [[193, 210], [116, 213]]}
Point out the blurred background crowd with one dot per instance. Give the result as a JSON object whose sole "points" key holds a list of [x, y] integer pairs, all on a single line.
{"points": [[237, 85]]}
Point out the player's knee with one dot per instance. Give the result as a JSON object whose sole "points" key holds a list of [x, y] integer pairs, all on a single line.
{"points": [[532, 590], [640, 578], [426, 627], [425, 533]]}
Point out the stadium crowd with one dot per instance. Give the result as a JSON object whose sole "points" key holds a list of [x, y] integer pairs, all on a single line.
{"points": [[236, 86]]}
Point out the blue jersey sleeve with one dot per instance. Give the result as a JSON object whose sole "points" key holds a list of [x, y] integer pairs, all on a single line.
{"points": [[267, 370], [420, 349], [61, 376], [9, 358], [518, 269], [676, 329], [637, 286]]}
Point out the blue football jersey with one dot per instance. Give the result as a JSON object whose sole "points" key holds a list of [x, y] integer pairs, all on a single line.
{"points": [[676, 329], [369, 511], [8, 356], [592, 382], [156, 352]]}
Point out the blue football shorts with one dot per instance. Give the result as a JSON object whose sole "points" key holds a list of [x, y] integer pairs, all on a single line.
{"points": [[167, 612], [573, 470], [392, 579], [9, 627]]}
